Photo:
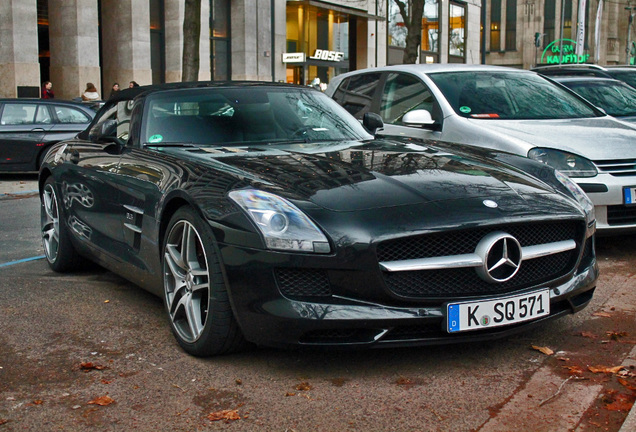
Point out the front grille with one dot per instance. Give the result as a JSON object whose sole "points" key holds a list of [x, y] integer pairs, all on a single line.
{"points": [[588, 254], [621, 215], [294, 283], [465, 241], [617, 168], [465, 282]]}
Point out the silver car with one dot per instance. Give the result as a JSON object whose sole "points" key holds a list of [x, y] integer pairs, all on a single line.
{"points": [[506, 109]]}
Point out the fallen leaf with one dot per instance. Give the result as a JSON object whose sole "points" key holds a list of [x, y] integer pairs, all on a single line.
{"points": [[616, 335], [88, 366], [574, 370], [544, 350], [3, 421], [563, 359], [290, 394], [106, 301], [627, 384], [38, 402], [605, 369], [404, 381], [621, 403], [239, 381], [602, 314], [227, 415], [588, 335], [304, 386], [104, 381], [102, 401]]}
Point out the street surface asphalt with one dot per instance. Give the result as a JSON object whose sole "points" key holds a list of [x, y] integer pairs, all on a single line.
{"points": [[51, 324]]}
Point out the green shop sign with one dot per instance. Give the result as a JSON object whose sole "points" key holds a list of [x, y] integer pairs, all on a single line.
{"points": [[552, 53]]}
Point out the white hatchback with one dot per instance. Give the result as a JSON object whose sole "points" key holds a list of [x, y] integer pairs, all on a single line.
{"points": [[510, 110]]}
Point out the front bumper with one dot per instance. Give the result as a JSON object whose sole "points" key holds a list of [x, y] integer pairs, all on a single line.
{"points": [[267, 317], [606, 192]]}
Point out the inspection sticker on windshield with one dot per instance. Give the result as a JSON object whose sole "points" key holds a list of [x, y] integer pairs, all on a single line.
{"points": [[478, 315], [629, 194]]}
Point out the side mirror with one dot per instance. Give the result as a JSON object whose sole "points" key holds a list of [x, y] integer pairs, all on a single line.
{"points": [[105, 130], [418, 118], [372, 122]]}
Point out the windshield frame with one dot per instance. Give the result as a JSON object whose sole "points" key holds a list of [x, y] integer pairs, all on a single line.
{"points": [[624, 90]]}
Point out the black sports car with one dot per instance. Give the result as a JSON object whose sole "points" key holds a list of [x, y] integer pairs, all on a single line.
{"points": [[266, 213]]}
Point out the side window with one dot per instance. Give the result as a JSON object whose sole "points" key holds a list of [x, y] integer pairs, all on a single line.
{"points": [[43, 115], [18, 114], [70, 115], [358, 95], [338, 96], [403, 93], [121, 114]]}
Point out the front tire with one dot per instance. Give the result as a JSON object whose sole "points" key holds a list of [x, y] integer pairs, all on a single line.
{"points": [[195, 294], [58, 249]]}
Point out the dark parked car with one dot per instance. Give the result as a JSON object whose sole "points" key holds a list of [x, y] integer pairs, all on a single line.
{"points": [[28, 128], [266, 213], [615, 97], [627, 74]]}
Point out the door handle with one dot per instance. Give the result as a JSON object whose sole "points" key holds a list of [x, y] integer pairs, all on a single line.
{"points": [[38, 130], [75, 157]]}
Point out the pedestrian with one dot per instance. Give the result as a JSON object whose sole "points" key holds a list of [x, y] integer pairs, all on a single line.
{"points": [[114, 90], [47, 92], [133, 84], [90, 94]]}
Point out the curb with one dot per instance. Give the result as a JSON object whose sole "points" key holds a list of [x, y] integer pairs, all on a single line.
{"points": [[629, 425]]}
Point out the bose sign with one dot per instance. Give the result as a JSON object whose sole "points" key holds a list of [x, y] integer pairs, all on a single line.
{"points": [[327, 55]]}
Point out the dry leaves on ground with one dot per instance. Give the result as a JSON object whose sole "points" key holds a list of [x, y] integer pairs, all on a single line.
{"points": [[226, 415], [303, 386], [605, 369], [544, 350], [88, 366], [102, 401]]}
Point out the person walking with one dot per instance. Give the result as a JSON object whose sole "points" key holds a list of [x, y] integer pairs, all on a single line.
{"points": [[133, 84], [47, 90], [90, 94]]}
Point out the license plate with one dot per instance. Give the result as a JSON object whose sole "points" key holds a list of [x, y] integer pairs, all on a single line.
{"points": [[477, 315], [629, 195]]}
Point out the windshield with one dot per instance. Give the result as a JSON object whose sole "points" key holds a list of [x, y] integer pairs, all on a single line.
{"points": [[617, 99], [243, 115], [628, 76], [508, 95]]}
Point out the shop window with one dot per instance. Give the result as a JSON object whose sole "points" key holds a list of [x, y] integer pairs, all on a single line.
{"points": [[397, 28], [157, 42], [430, 26], [567, 20], [457, 33]]}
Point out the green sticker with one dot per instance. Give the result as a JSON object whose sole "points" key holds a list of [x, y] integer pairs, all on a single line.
{"points": [[155, 139], [465, 109]]}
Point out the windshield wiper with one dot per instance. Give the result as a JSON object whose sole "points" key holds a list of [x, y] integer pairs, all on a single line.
{"points": [[170, 144]]}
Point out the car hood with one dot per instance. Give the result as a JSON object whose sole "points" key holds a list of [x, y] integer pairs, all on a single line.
{"points": [[354, 176], [601, 138]]}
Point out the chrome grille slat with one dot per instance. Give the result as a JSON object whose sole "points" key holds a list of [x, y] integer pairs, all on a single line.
{"points": [[617, 168]]}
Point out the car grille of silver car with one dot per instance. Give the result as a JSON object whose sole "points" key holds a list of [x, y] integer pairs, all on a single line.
{"points": [[617, 168], [446, 283]]}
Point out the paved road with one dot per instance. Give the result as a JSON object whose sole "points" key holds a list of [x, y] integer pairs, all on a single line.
{"points": [[51, 323]]}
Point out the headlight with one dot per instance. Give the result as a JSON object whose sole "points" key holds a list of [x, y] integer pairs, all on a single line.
{"points": [[578, 194], [283, 225], [568, 163]]}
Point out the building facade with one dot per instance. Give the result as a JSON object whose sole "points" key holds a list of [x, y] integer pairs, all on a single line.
{"points": [[533, 32], [74, 42]]}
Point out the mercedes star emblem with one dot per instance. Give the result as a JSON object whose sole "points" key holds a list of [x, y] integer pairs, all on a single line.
{"points": [[501, 257]]}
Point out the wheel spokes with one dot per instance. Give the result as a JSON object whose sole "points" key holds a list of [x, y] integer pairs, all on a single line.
{"points": [[186, 281], [50, 223]]}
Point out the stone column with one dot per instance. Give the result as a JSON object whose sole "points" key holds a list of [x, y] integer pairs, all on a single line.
{"points": [[126, 42], [19, 64], [174, 38], [251, 40], [74, 42], [205, 72]]}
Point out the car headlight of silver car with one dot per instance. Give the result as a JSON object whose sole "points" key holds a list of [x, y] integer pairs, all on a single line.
{"points": [[570, 164], [578, 194], [283, 226]]}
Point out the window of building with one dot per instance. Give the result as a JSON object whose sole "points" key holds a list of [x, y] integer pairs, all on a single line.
{"points": [[220, 53], [397, 28], [157, 42], [549, 14], [495, 25], [567, 20], [430, 26], [457, 33], [511, 25], [44, 53]]}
